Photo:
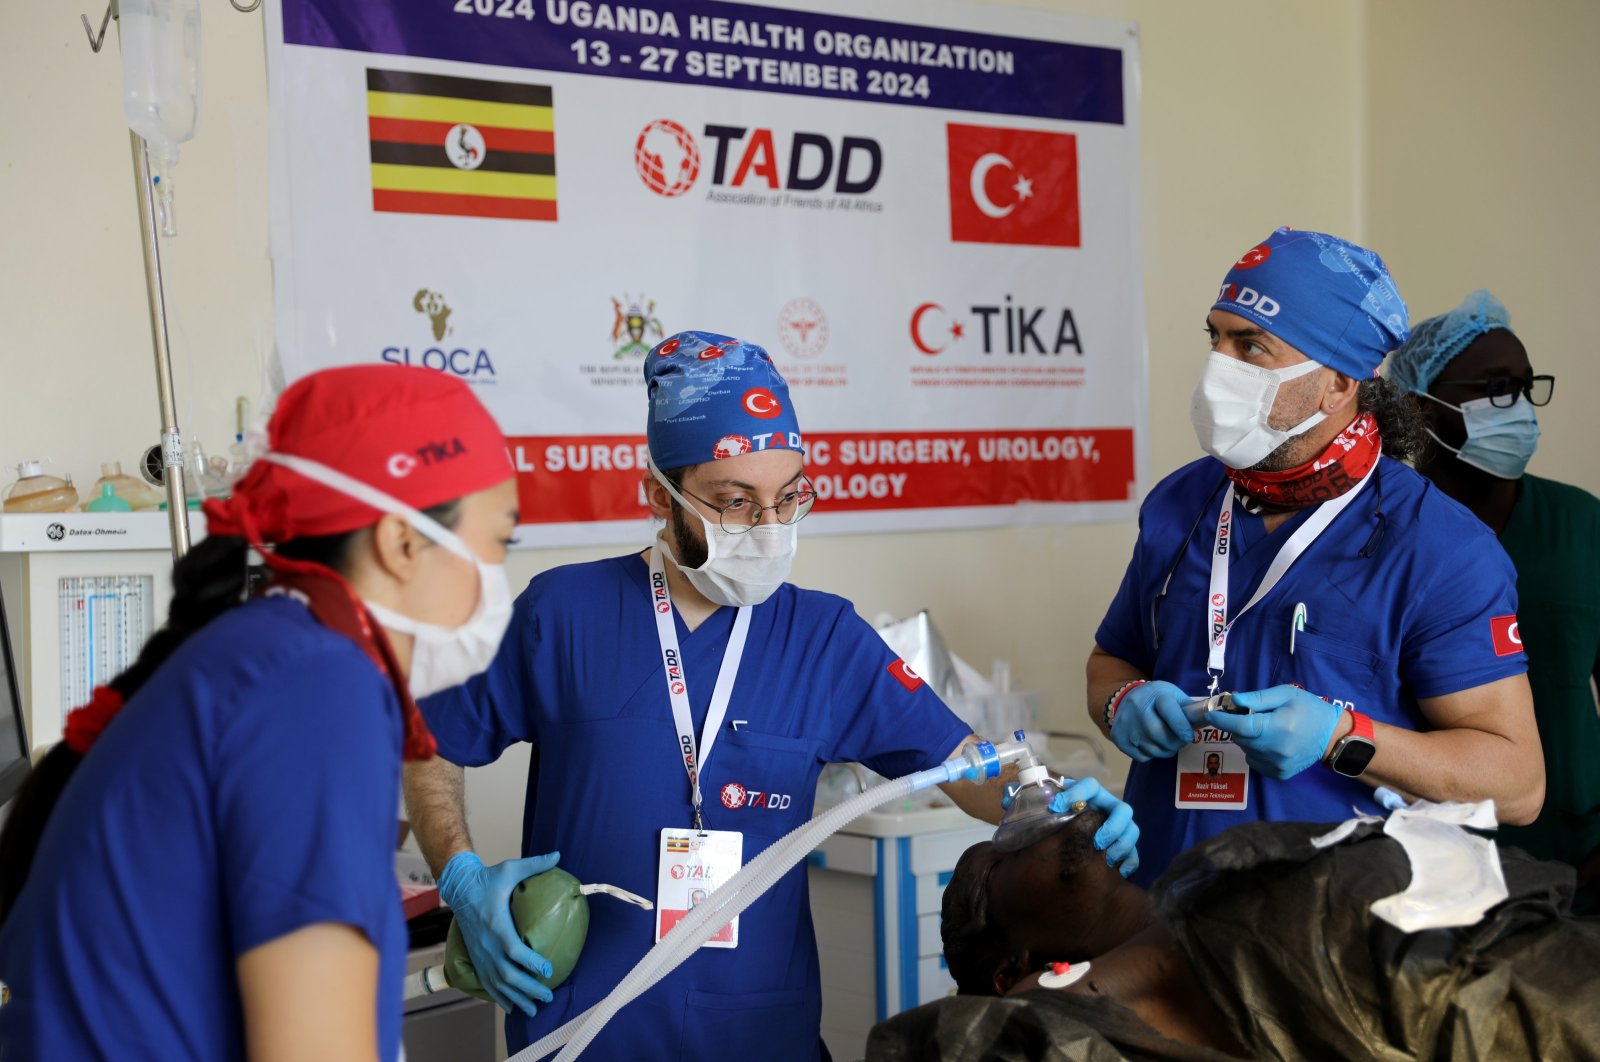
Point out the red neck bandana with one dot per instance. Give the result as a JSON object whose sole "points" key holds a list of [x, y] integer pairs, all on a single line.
{"points": [[1339, 468], [337, 607]]}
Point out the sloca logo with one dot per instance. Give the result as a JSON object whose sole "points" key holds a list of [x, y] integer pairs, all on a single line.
{"points": [[1007, 328], [669, 159], [473, 366]]}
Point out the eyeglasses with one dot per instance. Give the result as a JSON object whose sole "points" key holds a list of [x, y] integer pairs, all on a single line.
{"points": [[741, 514], [1503, 390]]}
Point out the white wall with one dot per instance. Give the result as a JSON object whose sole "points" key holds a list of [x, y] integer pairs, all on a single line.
{"points": [[1306, 112]]}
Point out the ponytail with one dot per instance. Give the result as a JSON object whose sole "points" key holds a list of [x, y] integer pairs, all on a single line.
{"points": [[209, 580]]}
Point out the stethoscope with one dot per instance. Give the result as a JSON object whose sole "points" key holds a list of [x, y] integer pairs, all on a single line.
{"points": [[1370, 549]]}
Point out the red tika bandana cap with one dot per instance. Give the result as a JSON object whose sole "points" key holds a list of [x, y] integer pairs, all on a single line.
{"points": [[413, 433]]}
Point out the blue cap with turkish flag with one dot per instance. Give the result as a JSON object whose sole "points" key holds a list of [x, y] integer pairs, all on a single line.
{"points": [[713, 396], [1330, 299]]}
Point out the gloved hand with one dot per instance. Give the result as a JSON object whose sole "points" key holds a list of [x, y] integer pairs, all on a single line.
{"points": [[1287, 730], [1116, 836], [1150, 723], [480, 899]]}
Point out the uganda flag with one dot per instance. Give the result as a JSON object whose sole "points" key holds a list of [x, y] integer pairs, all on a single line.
{"points": [[456, 145]]}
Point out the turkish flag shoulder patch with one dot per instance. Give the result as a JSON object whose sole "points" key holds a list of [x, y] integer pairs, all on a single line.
{"points": [[1507, 638], [905, 676]]}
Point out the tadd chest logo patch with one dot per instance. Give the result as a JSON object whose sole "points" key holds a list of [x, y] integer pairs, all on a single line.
{"points": [[736, 796]]}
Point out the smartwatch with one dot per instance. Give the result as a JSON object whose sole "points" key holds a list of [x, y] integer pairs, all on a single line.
{"points": [[1355, 750]]}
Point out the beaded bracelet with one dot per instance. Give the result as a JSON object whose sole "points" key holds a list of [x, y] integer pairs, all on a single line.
{"points": [[1116, 698]]}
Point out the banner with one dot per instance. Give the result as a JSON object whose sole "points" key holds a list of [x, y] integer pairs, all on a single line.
{"points": [[928, 218]]}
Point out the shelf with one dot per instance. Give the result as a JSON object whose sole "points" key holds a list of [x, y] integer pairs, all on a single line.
{"points": [[85, 532]]}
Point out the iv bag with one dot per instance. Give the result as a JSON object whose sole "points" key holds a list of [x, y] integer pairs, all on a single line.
{"points": [[161, 72]]}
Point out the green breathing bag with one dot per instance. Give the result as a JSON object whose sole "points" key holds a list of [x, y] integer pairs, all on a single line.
{"points": [[551, 916]]}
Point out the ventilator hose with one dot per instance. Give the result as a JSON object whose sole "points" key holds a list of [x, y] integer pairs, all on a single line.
{"points": [[716, 911]]}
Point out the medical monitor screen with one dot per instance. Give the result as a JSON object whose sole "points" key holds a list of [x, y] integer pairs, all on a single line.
{"points": [[13, 741]]}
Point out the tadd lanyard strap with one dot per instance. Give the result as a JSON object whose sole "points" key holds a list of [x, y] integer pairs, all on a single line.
{"points": [[1217, 608], [694, 759]]}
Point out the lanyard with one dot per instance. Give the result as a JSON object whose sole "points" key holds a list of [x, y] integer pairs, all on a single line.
{"points": [[694, 759], [1217, 608]]}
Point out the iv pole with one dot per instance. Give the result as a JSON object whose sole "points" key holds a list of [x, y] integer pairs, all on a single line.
{"points": [[171, 436]]}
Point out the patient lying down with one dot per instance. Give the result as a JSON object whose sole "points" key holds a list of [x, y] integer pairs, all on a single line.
{"points": [[1254, 944]]}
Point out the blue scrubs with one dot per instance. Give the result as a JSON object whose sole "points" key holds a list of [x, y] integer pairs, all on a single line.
{"points": [[580, 676], [1409, 621], [248, 790]]}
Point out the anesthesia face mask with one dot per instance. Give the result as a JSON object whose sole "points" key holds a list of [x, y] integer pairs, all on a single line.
{"points": [[1029, 819]]}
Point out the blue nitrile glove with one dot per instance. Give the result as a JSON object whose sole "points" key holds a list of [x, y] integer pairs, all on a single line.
{"points": [[480, 898], [1287, 730], [1150, 723], [1116, 836]]}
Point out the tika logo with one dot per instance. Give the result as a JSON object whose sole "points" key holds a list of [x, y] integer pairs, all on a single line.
{"points": [[1015, 186], [402, 464], [1005, 329], [905, 676], [633, 322], [802, 328], [1248, 298], [736, 796], [1507, 636]]}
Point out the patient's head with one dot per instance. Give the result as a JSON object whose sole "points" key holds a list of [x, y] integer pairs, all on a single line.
{"points": [[1008, 914]]}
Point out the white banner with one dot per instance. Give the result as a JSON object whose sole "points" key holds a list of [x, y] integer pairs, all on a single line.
{"points": [[929, 219]]}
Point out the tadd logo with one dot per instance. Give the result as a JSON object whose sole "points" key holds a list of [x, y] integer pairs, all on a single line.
{"points": [[475, 367], [1249, 297], [736, 796], [1010, 328], [668, 160]]}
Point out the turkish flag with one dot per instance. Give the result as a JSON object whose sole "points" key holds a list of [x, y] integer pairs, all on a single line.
{"points": [[1016, 186], [905, 676], [1507, 638]]}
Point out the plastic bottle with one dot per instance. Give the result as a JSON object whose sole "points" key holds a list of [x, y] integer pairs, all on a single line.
{"points": [[200, 479], [35, 492], [131, 490], [107, 501], [161, 84]]}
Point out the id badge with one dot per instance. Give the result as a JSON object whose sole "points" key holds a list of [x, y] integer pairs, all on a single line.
{"points": [[1212, 773], [693, 863]]}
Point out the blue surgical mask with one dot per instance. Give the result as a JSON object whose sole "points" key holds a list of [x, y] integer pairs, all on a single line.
{"points": [[1500, 439]]}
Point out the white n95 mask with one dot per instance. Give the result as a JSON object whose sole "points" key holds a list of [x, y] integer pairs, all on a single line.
{"points": [[441, 657], [1231, 404], [743, 569]]}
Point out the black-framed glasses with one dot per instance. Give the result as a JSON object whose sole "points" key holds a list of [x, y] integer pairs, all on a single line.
{"points": [[741, 514], [1503, 390]]}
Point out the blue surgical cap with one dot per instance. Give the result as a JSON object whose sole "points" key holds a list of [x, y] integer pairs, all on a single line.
{"points": [[1331, 300], [1435, 342], [713, 396]]}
